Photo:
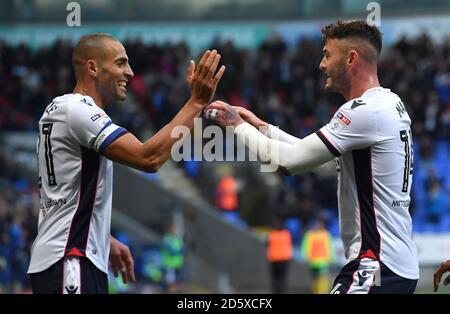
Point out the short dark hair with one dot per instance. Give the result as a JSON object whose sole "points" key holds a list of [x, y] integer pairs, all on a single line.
{"points": [[356, 30], [89, 46]]}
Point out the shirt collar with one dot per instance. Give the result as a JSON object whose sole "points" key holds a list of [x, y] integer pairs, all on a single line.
{"points": [[373, 89]]}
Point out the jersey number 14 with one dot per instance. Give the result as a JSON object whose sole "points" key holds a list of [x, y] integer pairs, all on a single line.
{"points": [[406, 137]]}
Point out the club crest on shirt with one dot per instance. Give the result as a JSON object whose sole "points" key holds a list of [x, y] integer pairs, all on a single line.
{"points": [[335, 125], [345, 119]]}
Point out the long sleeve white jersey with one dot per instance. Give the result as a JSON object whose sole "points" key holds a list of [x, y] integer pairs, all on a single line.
{"points": [[371, 136]]}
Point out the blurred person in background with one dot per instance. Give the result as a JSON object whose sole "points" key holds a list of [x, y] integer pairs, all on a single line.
{"points": [[172, 253], [436, 201], [152, 268], [279, 255], [227, 199], [318, 251], [77, 141], [227, 194], [371, 135]]}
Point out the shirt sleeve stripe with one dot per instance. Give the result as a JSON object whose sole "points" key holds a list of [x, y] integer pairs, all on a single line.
{"points": [[105, 126], [111, 138], [328, 144]]}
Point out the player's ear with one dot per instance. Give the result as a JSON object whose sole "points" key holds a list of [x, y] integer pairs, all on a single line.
{"points": [[352, 57], [92, 68]]}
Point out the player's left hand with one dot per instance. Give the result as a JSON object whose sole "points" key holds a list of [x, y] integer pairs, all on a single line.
{"points": [[445, 267], [223, 114], [203, 79], [121, 260]]}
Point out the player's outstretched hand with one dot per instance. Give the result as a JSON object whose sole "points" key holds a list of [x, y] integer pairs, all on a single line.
{"points": [[121, 260], [445, 267], [250, 117], [204, 78], [223, 114]]}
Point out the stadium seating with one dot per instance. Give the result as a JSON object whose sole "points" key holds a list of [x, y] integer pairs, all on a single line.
{"points": [[31, 78]]}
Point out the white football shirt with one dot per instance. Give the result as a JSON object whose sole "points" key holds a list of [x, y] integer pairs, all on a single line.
{"points": [[75, 182], [371, 135]]}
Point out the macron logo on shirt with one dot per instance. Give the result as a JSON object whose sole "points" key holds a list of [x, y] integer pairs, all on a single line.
{"points": [[357, 103]]}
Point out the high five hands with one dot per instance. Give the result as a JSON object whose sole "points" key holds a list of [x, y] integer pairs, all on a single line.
{"points": [[204, 78], [226, 115]]}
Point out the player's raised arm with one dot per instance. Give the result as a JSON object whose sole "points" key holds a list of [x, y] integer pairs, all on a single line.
{"points": [[296, 157], [149, 156], [264, 127], [251, 118]]}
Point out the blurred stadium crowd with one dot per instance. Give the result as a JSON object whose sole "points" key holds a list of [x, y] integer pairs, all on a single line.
{"points": [[280, 84]]}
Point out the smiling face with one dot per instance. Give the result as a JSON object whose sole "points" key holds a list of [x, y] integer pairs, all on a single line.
{"points": [[334, 65], [114, 73]]}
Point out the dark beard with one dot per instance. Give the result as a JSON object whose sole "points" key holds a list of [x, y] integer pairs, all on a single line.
{"points": [[339, 80]]}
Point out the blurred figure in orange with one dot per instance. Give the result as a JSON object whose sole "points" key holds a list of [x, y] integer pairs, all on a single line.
{"points": [[227, 194], [279, 254], [227, 200]]}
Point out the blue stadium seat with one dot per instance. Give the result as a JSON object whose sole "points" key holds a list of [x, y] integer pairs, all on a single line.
{"points": [[417, 226], [150, 176], [192, 168], [429, 228], [294, 226], [234, 218], [334, 228], [445, 223]]}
